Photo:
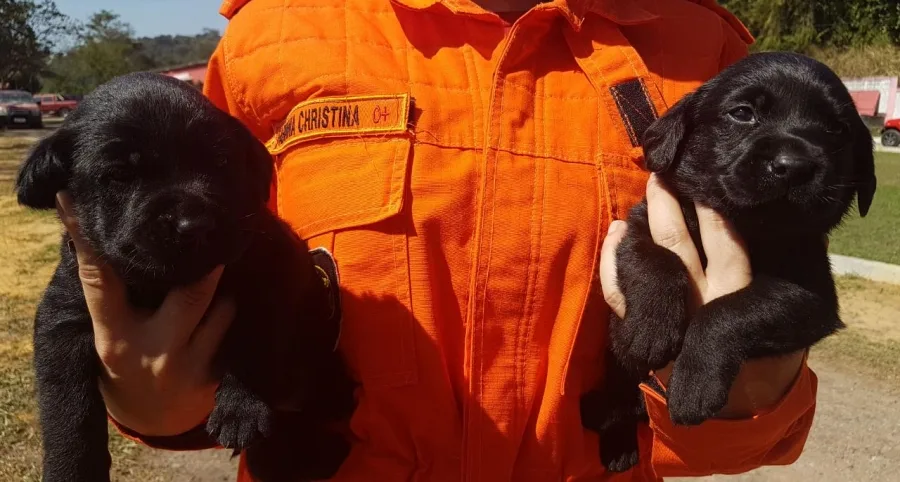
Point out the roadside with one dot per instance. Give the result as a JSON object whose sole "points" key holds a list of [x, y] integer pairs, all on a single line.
{"points": [[855, 436], [880, 147]]}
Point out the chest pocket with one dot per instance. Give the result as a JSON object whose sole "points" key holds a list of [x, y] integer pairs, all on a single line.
{"points": [[347, 195]]}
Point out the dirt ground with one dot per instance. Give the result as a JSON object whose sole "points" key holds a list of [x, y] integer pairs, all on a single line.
{"points": [[855, 437]]}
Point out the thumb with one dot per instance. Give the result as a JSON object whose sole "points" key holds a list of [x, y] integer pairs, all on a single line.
{"points": [[104, 291], [608, 282], [184, 307]]}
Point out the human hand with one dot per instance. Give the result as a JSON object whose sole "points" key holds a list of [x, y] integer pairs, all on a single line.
{"points": [[761, 383], [157, 378]]}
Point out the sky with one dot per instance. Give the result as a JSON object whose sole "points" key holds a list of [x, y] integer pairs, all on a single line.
{"points": [[152, 17]]}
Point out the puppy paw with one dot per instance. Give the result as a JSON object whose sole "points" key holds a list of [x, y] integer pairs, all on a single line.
{"points": [[650, 335], [698, 388], [239, 418], [619, 446], [621, 461], [656, 288]]}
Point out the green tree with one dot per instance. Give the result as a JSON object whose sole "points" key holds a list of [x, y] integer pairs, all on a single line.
{"points": [[28, 29], [106, 48], [806, 25], [173, 50]]}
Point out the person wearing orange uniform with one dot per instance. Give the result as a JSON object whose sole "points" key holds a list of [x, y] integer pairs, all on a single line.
{"points": [[464, 161]]}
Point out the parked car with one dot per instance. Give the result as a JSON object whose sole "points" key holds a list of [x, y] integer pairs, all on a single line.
{"points": [[55, 104], [890, 133], [18, 108]]}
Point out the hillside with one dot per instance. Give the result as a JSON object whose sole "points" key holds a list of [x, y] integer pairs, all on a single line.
{"points": [[168, 50]]}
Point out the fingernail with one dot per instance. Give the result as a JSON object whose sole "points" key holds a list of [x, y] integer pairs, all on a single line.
{"points": [[216, 272], [615, 226], [59, 205]]}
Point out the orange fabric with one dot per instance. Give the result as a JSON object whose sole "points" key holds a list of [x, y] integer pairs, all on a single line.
{"points": [[468, 243]]}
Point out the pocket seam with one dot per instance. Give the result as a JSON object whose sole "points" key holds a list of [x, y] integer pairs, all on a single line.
{"points": [[344, 220]]}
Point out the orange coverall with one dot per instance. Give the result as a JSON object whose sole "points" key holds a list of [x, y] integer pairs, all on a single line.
{"points": [[463, 170]]}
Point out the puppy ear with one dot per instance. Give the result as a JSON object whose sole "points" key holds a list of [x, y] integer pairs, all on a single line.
{"points": [[663, 138], [863, 167], [45, 172]]}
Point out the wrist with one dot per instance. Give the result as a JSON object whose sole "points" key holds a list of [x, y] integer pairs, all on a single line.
{"points": [[759, 387], [762, 384], [157, 416]]}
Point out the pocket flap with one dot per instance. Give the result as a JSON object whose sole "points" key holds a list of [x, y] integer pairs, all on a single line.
{"points": [[339, 184]]}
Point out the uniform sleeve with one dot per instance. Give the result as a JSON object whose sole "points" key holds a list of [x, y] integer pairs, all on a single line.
{"points": [[720, 446], [723, 446], [219, 90]]}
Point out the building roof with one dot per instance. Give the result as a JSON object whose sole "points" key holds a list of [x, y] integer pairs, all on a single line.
{"points": [[866, 101]]}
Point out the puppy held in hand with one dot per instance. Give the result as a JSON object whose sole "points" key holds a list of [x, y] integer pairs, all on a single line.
{"points": [[775, 144], [166, 187]]}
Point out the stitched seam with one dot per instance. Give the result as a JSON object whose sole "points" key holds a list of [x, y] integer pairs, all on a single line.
{"points": [[229, 81], [320, 223], [529, 90], [528, 301], [317, 39], [487, 274], [280, 59], [474, 89], [382, 78], [475, 92], [649, 99], [346, 49], [550, 155], [401, 265], [388, 208], [625, 119]]}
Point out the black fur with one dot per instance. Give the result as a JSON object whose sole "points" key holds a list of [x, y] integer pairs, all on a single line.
{"points": [[775, 144], [166, 187]]}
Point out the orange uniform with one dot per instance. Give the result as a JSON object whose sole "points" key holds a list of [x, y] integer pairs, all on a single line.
{"points": [[463, 168]]}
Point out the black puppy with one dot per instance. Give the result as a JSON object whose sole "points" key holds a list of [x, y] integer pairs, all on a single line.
{"points": [[775, 144], [166, 187]]}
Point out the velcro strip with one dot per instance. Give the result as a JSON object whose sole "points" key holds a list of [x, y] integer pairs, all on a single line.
{"points": [[635, 108]]}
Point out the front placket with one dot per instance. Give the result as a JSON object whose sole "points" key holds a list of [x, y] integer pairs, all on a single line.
{"points": [[503, 274]]}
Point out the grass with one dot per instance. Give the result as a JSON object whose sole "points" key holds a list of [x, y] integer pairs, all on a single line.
{"points": [[877, 236], [879, 359], [864, 61], [28, 241], [870, 345]]}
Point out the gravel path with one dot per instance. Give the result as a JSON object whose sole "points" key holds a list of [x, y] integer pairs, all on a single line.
{"points": [[855, 436]]}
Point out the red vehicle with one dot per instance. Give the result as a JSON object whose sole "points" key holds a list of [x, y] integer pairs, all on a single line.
{"points": [[55, 104], [890, 133], [17, 108]]}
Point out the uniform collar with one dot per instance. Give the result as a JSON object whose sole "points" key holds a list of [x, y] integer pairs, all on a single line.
{"points": [[622, 12]]}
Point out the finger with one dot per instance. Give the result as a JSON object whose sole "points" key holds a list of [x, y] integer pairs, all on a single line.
{"points": [[728, 265], [184, 307], [104, 291], [208, 336], [668, 229], [608, 282]]}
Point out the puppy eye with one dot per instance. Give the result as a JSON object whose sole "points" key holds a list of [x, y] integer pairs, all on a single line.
{"points": [[743, 114], [118, 174], [221, 161], [837, 129]]}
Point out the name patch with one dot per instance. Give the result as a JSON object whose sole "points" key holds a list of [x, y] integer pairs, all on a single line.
{"points": [[341, 116]]}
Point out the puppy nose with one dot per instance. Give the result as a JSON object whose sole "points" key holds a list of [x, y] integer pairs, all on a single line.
{"points": [[792, 168], [194, 226]]}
